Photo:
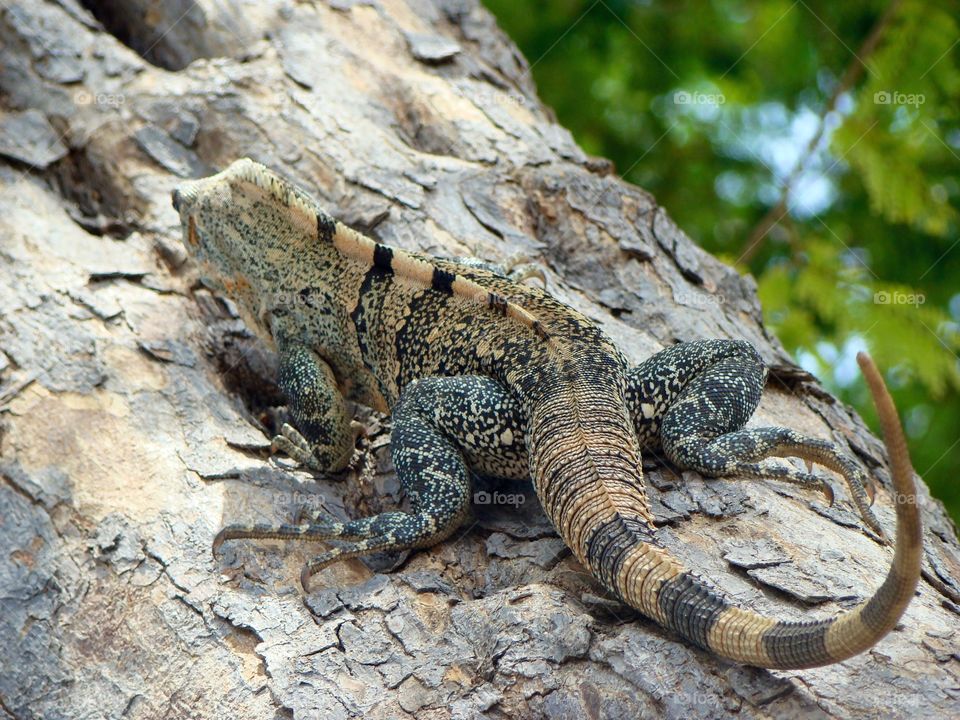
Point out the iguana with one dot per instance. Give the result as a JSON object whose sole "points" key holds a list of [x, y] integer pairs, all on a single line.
{"points": [[486, 375]]}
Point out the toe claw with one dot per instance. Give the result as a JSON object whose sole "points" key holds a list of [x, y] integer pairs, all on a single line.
{"points": [[882, 536], [218, 541], [828, 493], [358, 429]]}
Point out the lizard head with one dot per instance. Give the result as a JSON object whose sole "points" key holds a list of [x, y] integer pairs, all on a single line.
{"points": [[222, 218]]}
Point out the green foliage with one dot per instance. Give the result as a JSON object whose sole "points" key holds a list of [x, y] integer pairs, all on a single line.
{"points": [[905, 141], [845, 116]]}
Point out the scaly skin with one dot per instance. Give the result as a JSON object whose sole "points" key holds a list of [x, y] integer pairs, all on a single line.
{"points": [[480, 372]]}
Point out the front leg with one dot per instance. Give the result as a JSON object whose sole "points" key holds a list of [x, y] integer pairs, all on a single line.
{"points": [[324, 437], [693, 400]]}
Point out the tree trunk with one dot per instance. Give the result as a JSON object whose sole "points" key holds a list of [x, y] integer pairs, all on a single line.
{"points": [[136, 409]]}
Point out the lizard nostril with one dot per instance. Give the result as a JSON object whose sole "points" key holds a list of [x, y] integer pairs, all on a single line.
{"points": [[175, 199]]}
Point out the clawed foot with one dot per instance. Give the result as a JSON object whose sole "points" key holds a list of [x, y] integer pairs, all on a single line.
{"points": [[525, 272], [861, 487], [862, 493], [317, 529], [328, 529], [295, 446], [786, 474], [518, 268], [316, 565], [521, 267]]}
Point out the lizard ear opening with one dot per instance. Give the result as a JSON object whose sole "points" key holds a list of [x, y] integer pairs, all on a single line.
{"points": [[175, 200]]}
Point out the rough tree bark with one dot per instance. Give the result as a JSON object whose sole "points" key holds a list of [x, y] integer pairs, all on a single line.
{"points": [[136, 409]]}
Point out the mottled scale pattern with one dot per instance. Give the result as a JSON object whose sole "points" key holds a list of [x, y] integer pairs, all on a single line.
{"points": [[486, 375]]}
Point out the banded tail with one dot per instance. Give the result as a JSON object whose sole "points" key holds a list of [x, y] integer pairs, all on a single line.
{"points": [[607, 525]]}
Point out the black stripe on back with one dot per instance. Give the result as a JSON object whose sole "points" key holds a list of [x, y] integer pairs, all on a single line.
{"points": [[538, 330], [497, 303], [326, 227], [443, 281], [383, 258], [373, 289]]}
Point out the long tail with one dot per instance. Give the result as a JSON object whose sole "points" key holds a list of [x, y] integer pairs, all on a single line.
{"points": [[608, 528]]}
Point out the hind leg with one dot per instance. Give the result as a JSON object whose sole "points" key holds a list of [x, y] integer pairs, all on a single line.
{"points": [[694, 399], [440, 425]]}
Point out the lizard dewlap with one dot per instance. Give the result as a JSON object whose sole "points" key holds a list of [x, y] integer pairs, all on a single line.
{"points": [[483, 373]]}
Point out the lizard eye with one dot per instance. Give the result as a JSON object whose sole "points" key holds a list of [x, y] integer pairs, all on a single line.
{"points": [[175, 199]]}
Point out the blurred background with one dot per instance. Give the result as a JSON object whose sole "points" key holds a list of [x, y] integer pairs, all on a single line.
{"points": [[815, 145]]}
